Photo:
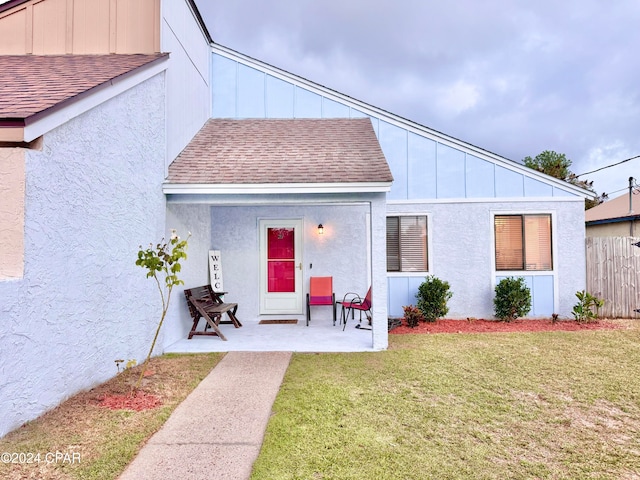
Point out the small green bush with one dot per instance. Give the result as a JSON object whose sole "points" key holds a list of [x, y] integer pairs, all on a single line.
{"points": [[433, 295], [412, 316], [583, 310], [512, 300]]}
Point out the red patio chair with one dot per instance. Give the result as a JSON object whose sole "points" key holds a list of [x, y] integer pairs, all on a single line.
{"points": [[321, 293], [352, 302]]}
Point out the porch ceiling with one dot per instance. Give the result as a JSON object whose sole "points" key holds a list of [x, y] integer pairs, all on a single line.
{"points": [[279, 153]]}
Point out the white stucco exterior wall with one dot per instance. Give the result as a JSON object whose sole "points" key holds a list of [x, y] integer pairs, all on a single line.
{"points": [[195, 269], [353, 226], [93, 195], [379, 272], [461, 248]]}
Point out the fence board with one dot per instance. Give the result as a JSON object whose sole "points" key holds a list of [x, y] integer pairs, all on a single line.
{"points": [[613, 266]]}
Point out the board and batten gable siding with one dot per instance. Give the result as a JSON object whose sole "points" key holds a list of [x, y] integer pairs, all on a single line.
{"points": [[460, 188], [423, 168], [58, 27], [187, 79]]}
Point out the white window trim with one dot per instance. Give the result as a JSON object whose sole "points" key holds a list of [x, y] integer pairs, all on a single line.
{"points": [[527, 273], [429, 234]]}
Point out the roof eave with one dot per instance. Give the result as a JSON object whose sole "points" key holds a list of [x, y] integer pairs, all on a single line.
{"points": [[273, 188], [603, 221], [200, 20], [37, 124]]}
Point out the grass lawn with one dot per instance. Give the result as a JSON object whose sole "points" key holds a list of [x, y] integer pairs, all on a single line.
{"points": [[549, 405]]}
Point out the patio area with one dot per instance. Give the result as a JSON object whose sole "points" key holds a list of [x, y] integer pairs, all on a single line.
{"points": [[319, 336]]}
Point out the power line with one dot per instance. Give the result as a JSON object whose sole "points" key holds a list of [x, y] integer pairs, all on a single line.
{"points": [[608, 166]]}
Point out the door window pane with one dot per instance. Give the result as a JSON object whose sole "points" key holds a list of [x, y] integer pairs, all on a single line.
{"points": [[282, 276], [280, 243], [280, 260]]}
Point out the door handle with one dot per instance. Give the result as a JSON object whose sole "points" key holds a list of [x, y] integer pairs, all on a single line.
{"points": [[300, 266]]}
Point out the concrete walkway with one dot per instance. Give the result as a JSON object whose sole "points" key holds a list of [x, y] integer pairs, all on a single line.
{"points": [[217, 431]]}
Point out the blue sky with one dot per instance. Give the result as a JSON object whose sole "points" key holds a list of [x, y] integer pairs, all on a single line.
{"points": [[509, 76]]}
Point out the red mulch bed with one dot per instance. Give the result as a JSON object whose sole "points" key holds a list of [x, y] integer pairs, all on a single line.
{"points": [[138, 402], [489, 326]]}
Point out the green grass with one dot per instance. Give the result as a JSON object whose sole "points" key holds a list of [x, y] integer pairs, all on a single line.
{"points": [[552, 405]]}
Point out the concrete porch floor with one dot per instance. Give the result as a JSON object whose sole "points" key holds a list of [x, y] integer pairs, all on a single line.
{"points": [[319, 336]]}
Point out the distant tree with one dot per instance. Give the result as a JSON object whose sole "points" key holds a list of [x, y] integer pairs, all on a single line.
{"points": [[557, 165], [552, 163]]}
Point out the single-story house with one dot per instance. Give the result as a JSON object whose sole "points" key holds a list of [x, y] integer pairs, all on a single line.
{"points": [[120, 120], [454, 210], [618, 217]]}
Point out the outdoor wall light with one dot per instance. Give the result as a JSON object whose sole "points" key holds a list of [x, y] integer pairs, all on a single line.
{"points": [[320, 229]]}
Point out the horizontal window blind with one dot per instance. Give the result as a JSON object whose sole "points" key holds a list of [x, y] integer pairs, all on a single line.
{"points": [[407, 244], [523, 242], [509, 254], [393, 244], [413, 244], [537, 242]]}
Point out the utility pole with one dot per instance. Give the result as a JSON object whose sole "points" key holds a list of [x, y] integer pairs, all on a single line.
{"points": [[631, 180]]}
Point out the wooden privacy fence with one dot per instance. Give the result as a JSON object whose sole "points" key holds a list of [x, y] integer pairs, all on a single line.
{"points": [[613, 273]]}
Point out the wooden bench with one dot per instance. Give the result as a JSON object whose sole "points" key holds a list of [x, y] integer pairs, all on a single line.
{"points": [[204, 303]]}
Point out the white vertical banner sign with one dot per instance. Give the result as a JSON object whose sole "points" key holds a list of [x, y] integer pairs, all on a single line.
{"points": [[215, 271]]}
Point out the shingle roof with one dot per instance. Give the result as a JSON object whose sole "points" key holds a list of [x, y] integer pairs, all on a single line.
{"points": [[30, 84], [265, 151]]}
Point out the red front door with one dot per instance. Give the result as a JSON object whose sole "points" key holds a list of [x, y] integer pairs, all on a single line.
{"points": [[281, 266]]}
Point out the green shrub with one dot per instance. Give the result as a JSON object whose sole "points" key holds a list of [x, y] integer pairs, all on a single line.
{"points": [[583, 310], [512, 300], [433, 295], [412, 316]]}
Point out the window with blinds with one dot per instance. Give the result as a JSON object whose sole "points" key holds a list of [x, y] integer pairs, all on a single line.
{"points": [[523, 242], [407, 244]]}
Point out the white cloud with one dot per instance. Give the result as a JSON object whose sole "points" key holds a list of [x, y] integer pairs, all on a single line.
{"points": [[515, 78], [457, 98]]}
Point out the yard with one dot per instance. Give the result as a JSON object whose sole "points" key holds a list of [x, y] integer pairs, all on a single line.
{"points": [[503, 405], [544, 405]]}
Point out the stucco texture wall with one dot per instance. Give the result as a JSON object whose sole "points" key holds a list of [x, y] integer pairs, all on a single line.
{"points": [[462, 249], [93, 195], [194, 219], [341, 252]]}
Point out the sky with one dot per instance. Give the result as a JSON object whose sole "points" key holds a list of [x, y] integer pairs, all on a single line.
{"points": [[513, 77]]}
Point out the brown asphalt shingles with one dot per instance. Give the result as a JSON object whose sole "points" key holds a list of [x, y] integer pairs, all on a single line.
{"points": [[266, 151], [30, 84]]}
